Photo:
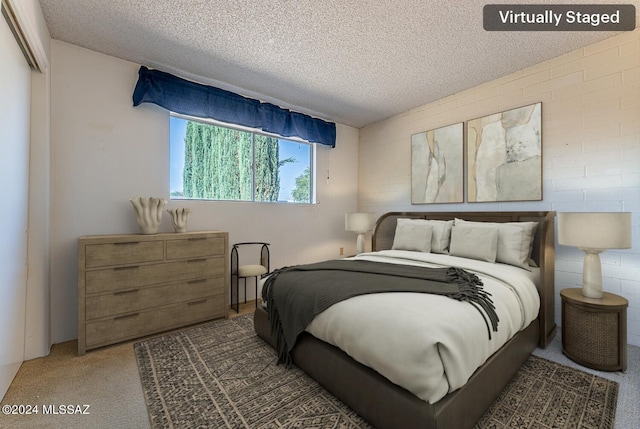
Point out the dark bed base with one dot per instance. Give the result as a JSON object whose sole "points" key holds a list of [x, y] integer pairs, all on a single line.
{"points": [[388, 406]]}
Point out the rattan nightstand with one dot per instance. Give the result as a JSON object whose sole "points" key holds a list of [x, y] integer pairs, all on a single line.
{"points": [[594, 331]]}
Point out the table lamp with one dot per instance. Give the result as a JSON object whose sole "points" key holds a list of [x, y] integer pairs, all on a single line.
{"points": [[359, 223], [594, 233]]}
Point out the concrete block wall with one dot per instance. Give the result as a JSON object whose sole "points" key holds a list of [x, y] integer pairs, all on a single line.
{"points": [[591, 150]]}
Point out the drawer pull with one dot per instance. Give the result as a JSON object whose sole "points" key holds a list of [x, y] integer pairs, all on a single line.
{"points": [[125, 243], [191, 282], [133, 267], [125, 292], [198, 260], [126, 316], [200, 301], [196, 238]]}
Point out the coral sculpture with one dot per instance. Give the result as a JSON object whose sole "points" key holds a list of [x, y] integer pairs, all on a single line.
{"points": [[148, 213], [179, 219]]}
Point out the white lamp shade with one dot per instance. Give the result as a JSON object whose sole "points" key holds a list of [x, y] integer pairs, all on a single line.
{"points": [[604, 230], [358, 222]]}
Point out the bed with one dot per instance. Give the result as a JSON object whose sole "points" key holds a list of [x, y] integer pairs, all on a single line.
{"points": [[387, 405]]}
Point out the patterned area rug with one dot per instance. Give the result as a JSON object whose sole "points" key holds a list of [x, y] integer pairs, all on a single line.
{"points": [[222, 375], [544, 394]]}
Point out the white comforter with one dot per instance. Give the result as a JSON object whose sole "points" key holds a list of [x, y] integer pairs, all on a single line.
{"points": [[429, 344]]}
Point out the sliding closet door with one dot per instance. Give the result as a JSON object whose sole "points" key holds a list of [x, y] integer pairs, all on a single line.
{"points": [[15, 87]]}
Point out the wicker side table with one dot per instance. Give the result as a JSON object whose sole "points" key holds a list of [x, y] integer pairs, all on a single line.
{"points": [[594, 331]]}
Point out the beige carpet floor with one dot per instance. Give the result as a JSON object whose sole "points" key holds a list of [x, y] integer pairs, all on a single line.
{"points": [[107, 380]]}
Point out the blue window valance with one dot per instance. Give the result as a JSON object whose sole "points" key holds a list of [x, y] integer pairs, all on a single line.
{"points": [[202, 101]]}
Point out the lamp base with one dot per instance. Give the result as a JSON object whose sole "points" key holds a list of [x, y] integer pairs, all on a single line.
{"points": [[360, 243], [592, 273]]}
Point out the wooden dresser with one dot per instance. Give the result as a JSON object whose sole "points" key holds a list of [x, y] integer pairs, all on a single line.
{"points": [[134, 285]]}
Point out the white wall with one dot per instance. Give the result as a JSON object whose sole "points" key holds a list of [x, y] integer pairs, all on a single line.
{"points": [[15, 87], [591, 150], [104, 151]]}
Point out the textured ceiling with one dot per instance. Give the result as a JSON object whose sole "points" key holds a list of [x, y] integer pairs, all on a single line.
{"points": [[350, 61]]}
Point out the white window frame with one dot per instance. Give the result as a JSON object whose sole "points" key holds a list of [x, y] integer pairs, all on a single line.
{"points": [[254, 131]]}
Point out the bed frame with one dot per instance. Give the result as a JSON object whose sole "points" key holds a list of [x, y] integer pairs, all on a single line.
{"points": [[386, 405]]}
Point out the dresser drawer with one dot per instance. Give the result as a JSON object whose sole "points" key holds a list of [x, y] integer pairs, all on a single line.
{"points": [[130, 277], [130, 300], [126, 252], [120, 328], [195, 247]]}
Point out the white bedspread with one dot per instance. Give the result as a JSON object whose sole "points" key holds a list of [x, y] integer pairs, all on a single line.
{"points": [[429, 344]]}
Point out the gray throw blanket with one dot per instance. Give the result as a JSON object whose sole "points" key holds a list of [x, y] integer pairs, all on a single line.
{"points": [[295, 295]]}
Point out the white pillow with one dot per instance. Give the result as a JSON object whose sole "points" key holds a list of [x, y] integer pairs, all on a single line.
{"points": [[412, 237], [515, 240], [441, 232], [441, 235], [472, 242]]}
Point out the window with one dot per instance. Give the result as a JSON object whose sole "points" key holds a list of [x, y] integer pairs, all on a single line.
{"points": [[215, 162]]}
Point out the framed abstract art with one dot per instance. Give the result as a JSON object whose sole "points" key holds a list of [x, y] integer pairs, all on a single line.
{"points": [[504, 156], [437, 172]]}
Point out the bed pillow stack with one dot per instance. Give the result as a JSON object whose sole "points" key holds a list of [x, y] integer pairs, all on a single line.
{"points": [[513, 241], [439, 233], [509, 243]]}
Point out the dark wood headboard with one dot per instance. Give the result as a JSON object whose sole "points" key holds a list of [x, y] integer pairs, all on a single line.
{"points": [[543, 250]]}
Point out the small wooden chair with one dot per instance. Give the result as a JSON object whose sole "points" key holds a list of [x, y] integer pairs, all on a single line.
{"points": [[247, 270]]}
